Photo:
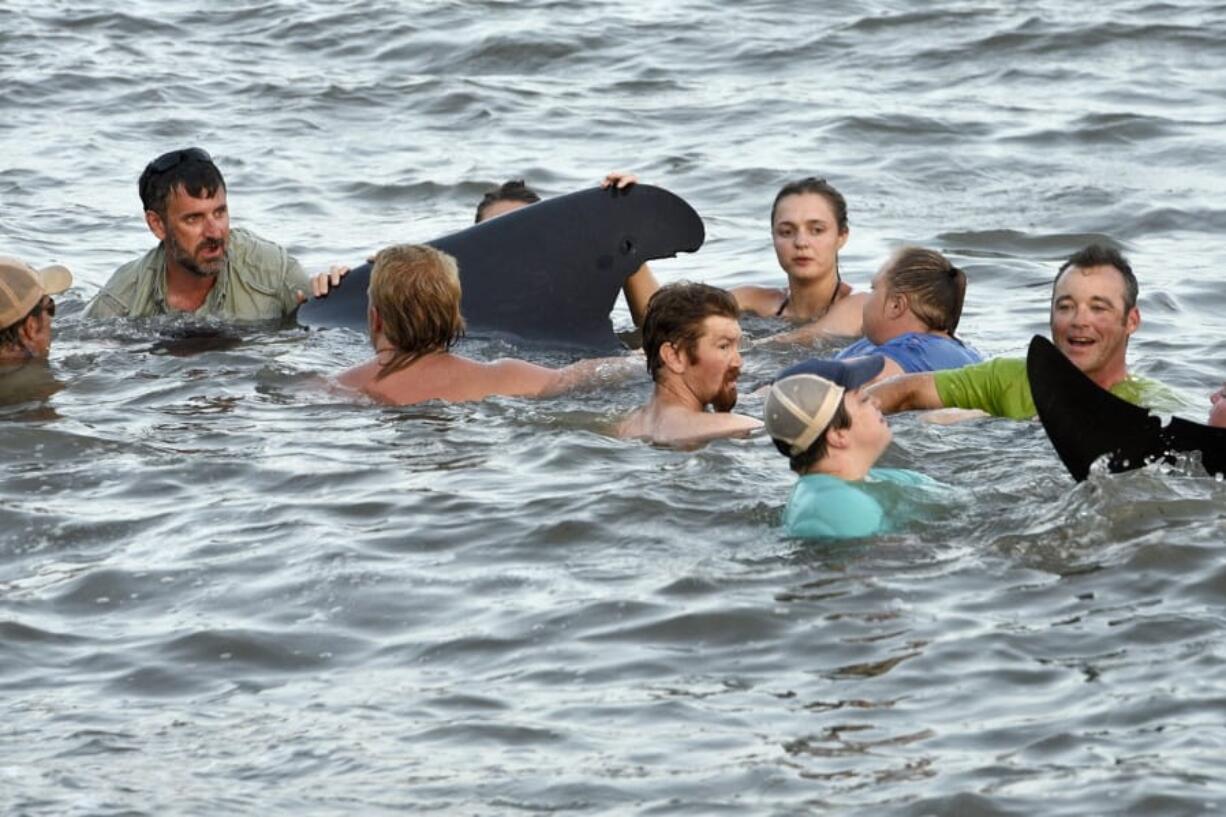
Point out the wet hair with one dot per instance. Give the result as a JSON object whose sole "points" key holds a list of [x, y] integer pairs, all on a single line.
{"points": [[11, 334], [190, 168], [416, 291], [675, 314], [819, 187], [934, 287], [1100, 255], [513, 190], [802, 462]]}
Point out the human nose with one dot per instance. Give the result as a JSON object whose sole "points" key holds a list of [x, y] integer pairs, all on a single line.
{"points": [[213, 227]]}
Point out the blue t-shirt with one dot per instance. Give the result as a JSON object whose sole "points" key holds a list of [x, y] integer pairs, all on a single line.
{"points": [[826, 507], [917, 352]]}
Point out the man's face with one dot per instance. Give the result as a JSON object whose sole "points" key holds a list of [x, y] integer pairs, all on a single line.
{"points": [[716, 363], [869, 430], [39, 342], [1089, 321], [874, 313], [195, 231], [1217, 414]]}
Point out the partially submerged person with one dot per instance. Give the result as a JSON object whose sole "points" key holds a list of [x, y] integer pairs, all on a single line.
{"points": [[515, 194], [200, 265], [27, 309], [823, 420], [691, 338], [1093, 314], [912, 313], [809, 226], [1217, 414], [414, 320]]}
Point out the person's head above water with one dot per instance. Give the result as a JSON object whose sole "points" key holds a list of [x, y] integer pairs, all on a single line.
{"points": [[916, 290], [809, 227], [26, 308], [414, 310], [510, 195], [184, 196], [691, 336], [819, 418], [1094, 311]]}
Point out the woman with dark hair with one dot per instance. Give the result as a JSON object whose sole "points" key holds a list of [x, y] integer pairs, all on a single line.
{"points": [[809, 226]]}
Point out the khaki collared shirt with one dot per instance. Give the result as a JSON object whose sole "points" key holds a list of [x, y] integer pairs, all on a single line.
{"points": [[258, 282]]}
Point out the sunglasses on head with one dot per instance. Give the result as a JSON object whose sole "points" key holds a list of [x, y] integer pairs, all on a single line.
{"points": [[175, 158]]}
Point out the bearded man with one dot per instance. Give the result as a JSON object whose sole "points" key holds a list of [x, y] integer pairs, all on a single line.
{"points": [[201, 265]]}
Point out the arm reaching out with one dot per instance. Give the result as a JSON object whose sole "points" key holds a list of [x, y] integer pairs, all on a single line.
{"points": [[907, 392]]}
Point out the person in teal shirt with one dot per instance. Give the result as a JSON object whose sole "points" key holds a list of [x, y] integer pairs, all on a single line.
{"points": [[832, 433], [1093, 314]]}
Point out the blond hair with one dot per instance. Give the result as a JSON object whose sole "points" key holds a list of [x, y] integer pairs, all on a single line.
{"points": [[934, 286], [416, 291]]}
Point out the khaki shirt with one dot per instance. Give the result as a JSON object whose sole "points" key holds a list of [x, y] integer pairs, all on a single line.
{"points": [[258, 282]]}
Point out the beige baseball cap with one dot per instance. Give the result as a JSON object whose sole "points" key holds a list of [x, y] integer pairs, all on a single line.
{"points": [[22, 287], [804, 398]]}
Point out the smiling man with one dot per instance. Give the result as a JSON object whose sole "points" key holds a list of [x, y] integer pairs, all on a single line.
{"points": [[201, 265], [1093, 314], [691, 338]]}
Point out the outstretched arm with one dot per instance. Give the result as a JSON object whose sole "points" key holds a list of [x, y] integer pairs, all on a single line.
{"points": [[519, 378], [845, 319], [907, 392]]}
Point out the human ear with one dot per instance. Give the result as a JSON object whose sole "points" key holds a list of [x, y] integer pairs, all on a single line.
{"points": [[843, 236], [897, 305], [672, 358], [1132, 321], [155, 224], [838, 438], [29, 330]]}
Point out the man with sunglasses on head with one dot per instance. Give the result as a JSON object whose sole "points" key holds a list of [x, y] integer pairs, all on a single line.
{"points": [[201, 265], [26, 309]]}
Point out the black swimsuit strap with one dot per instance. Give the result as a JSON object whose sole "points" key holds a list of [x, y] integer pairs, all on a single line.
{"points": [[838, 282]]}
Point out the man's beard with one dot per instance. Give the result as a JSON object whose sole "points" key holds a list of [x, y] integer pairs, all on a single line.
{"points": [[188, 262], [725, 400]]}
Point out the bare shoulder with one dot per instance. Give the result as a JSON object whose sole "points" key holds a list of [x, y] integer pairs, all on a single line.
{"points": [[515, 378], [764, 302], [846, 316], [358, 377], [687, 428], [632, 426]]}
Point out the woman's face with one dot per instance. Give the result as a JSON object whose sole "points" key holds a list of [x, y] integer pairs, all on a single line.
{"points": [[807, 237]]}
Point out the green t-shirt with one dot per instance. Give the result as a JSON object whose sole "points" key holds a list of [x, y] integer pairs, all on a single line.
{"points": [[258, 282], [1001, 387], [827, 507]]}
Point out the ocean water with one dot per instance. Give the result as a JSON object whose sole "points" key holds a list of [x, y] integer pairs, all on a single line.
{"points": [[228, 589]]}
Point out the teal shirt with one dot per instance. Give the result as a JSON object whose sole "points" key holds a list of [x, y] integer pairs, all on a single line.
{"points": [[826, 507]]}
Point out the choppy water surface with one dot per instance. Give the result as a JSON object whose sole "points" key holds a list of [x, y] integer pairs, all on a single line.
{"points": [[226, 589]]}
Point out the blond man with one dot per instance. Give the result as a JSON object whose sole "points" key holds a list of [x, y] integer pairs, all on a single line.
{"points": [[414, 321]]}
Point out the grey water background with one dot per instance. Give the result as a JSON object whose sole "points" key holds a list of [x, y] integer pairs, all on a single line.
{"points": [[227, 589]]}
